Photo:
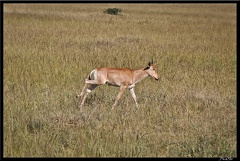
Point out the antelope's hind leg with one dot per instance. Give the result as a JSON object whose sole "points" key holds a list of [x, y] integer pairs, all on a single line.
{"points": [[87, 82], [92, 87], [83, 90]]}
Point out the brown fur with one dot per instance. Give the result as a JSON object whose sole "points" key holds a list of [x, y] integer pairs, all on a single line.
{"points": [[121, 77]]}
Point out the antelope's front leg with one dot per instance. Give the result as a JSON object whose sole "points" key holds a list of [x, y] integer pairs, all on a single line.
{"points": [[134, 96], [122, 88]]}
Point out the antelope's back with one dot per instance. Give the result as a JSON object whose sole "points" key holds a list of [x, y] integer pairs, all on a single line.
{"points": [[116, 76]]}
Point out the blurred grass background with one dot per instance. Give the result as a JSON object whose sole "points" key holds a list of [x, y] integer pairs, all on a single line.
{"points": [[49, 49]]}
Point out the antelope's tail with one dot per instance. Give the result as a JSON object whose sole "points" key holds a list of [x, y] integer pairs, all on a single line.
{"points": [[92, 73]]}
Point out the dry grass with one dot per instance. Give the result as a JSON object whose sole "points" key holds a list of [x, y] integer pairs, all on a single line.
{"points": [[50, 48]]}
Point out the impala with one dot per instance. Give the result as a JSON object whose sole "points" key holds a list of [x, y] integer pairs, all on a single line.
{"points": [[124, 78]]}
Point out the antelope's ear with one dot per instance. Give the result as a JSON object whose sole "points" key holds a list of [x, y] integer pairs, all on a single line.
{"points": [[146, 68], [149, 65]]}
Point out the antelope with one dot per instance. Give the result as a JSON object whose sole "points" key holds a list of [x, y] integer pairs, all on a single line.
{"points": [[124, 78]]}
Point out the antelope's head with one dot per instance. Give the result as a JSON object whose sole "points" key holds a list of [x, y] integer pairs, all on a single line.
{"points": [[151, 70]]}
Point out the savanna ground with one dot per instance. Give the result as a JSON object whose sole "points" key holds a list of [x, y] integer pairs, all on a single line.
{"points": [[49, 49]]}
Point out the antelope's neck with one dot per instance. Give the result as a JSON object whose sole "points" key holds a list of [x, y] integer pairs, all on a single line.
{"points": [[138, 75]]}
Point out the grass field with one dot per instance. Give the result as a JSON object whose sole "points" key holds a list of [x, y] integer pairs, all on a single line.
{"points": [[49, 49]]}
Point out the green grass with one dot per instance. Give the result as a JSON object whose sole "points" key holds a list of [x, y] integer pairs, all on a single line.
{"points": [[49, 49]]}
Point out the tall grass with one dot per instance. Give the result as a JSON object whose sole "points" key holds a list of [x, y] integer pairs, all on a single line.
{"points": [[50, 48]]}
